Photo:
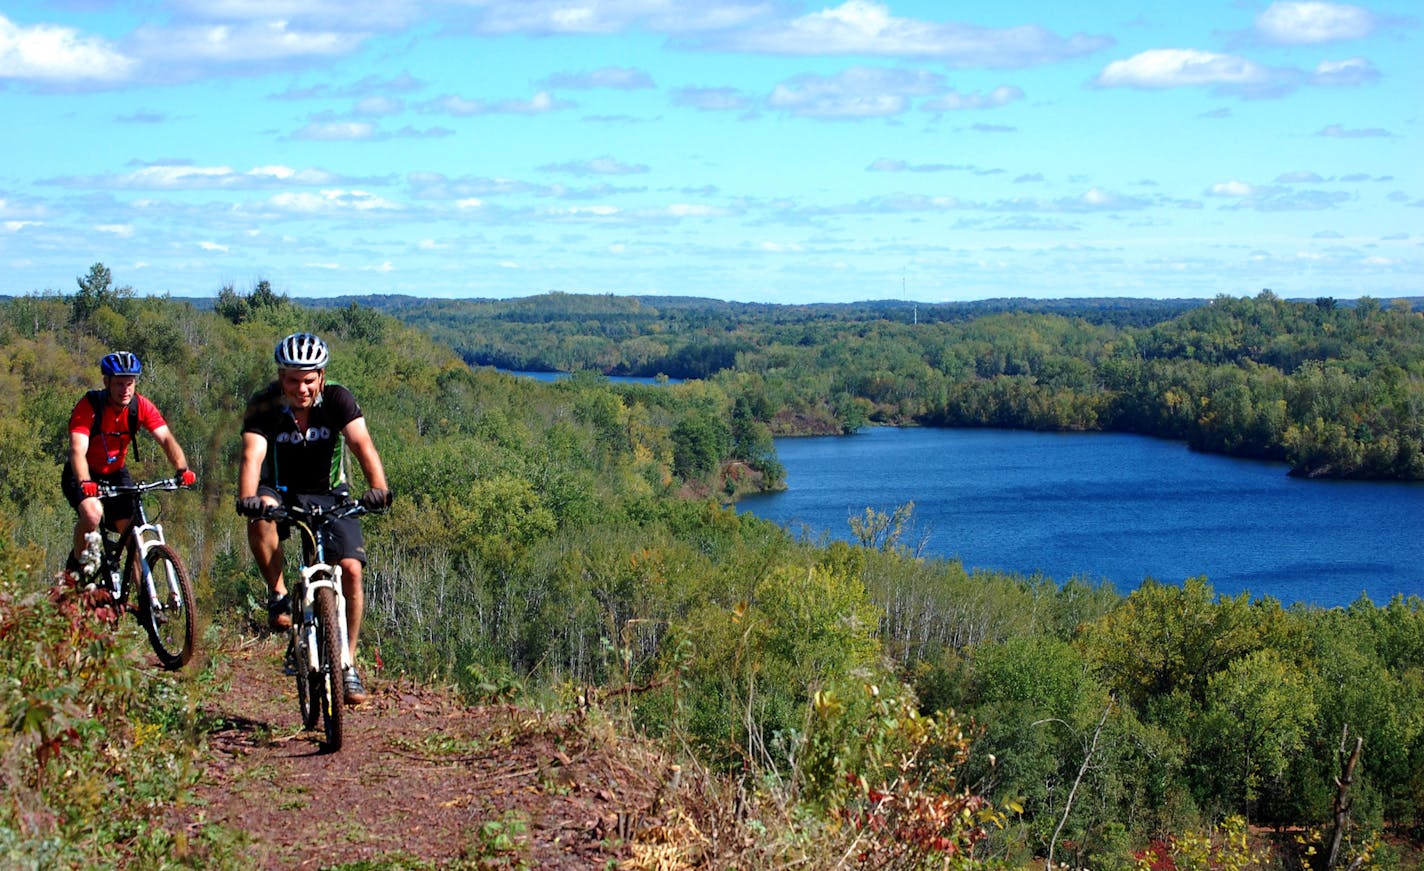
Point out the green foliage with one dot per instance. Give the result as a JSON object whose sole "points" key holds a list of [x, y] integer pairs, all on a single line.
{"points": [[1167, 639], [98, 303], [1224, 847], [93, 745], [698, 443], [1256, 719], [760, 659], [892, 778]]}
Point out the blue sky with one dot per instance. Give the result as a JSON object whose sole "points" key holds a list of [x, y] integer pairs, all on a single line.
{"points": [[737, 149]]}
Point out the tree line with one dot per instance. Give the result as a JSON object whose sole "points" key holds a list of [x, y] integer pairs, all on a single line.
{"points": [[1333, 389]]}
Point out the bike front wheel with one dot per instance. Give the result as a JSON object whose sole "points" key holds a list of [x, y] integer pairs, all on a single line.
{"points": [[167, 616], [328, 688], [304, 640]]}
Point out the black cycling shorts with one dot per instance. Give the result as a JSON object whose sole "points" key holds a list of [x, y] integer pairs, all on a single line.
{"points": [[343, 537]]}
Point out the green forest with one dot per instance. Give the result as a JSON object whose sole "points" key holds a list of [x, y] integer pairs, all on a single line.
{"points": [[571, 542], [1333, 389]]}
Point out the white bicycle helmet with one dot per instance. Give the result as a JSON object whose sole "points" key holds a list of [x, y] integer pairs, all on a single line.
{"points": [[302, 351]]}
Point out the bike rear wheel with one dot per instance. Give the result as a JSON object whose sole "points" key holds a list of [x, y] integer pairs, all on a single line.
{"points": [[327, 686], [168, 619]]}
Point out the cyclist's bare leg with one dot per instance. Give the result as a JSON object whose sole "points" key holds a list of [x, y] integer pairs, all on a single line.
{"points": [[90, 512], [267, 551], [355, 601]]}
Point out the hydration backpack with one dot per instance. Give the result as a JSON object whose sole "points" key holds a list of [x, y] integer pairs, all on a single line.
{"points": [[97, 399]]}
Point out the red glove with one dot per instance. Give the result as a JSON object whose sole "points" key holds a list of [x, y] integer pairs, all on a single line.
{"points": [[90, 489], [186, 478]]}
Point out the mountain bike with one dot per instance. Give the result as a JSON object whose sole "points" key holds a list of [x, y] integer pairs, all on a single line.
{"points": [[152, 574], [318, 647]]}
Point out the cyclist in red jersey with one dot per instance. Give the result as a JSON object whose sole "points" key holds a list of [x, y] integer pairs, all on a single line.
{"points": [[101, 428]]}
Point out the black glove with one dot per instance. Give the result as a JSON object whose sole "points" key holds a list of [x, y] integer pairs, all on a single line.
{"points": [[251, 506], [375, 499]]}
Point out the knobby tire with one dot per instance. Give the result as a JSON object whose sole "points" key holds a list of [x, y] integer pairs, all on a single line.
{"points": [[330, 686], [170, 621]]}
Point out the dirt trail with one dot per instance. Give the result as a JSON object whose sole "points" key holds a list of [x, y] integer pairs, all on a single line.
{"points": [[421, 780]]}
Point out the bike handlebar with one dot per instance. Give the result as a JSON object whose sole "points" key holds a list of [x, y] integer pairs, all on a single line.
{"points": [[107, 490], [300, 514]]}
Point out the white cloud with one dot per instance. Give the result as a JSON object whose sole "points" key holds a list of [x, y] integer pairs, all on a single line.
{"points": [[616, 78], [1293, 23], [122, 230], [174, 177], [1338, 131], [1098, 200], [953, 102], [856, 92], [1350, 72], [1181, 67], [168, 177], [286, 174], [330, 201], [213, 246], [690, 210], [586, 211], [17, 226], [53, 54], [711, 99], [538, 104], [604, 165], [863, 27], [337, 131], [541, 103], [242, 43], [1232, 189], [614, 16], [343, 14], [1275, 198], [378, 104]]}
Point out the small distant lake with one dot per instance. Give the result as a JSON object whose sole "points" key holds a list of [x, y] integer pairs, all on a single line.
{"points": [[616, 379], [1111, 506]]}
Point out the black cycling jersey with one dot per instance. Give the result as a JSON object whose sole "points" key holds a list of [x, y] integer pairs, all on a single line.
{"points": [[302, 461]]}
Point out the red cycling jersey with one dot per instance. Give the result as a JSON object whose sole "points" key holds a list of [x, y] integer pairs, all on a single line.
{"points": [[109, 442]]}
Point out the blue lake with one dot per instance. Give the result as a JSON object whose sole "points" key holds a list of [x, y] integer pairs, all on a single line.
{"points": [[1110, 506]]}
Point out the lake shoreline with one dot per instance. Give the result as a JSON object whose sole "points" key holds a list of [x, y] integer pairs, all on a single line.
{"points": [[1115, 506]]}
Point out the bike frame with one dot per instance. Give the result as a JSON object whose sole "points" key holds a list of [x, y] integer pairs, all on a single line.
{"points": [[315, 573], [139, 538]]}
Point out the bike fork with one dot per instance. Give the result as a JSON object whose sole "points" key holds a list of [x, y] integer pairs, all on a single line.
{"points": [[330, 577]]}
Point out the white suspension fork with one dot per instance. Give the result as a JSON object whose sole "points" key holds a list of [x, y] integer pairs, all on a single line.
{"points": [[314, 578]]}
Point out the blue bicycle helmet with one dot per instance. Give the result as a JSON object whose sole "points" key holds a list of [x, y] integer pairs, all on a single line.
{"points": [[120, 363]]}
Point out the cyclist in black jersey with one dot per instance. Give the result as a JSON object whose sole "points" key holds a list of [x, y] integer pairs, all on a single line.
{"points": [[293, 436]]}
